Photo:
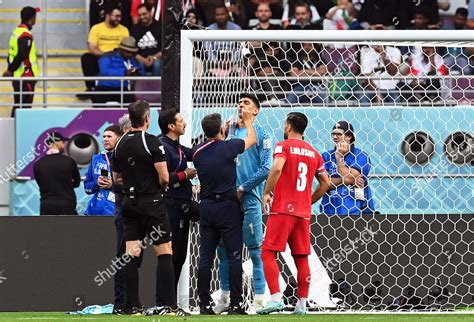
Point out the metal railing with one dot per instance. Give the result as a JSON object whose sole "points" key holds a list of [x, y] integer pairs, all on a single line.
{"points": [[127, 87]]}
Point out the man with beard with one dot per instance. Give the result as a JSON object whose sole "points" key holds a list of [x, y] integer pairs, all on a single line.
{"points": [[264, 14], [103, 37], [148, 35]]}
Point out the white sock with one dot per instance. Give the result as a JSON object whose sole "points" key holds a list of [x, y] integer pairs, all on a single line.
{"points": [[301, 304], [225, 295], [276, 297], [259, 297]]}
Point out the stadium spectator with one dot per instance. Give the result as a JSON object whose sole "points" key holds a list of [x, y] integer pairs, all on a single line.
{"points": [[273, 5], [264, 14], [143, 209], [457, 58], [148, 35], [340, 17], [378, 14], [97, 9], [98, 181], [253, 167], [156, 7], [120, 62], [22, 59], [268, 59], [309, 63], [421, 18], [103, 37], [178, 196], [348, 167], [220, 207], [470, 15], [222, 20], [426, 62], [57, 175], [318, 9], [295, 166], [407, 10], [302, 18], [379, 63]]}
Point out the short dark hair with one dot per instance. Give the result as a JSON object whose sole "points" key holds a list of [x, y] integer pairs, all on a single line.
{"points": [[147, 6], [422, 10], [166, 118], [109, 9], [137, 112], [461, 11], [27, 13], [302, 4], [298, 121], [220, 6], [114, 128], [252, 97], [211, 125]]}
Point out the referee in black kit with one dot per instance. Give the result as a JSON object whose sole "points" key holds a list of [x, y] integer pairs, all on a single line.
{"points": [[221, 218], [139, 163], [179, 194]]}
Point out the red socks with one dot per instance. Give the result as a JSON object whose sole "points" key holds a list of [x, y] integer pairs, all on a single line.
{"points": [[270, 268], [304, 274]]}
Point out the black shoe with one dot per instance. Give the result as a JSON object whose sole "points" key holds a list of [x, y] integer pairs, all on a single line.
{"points": [[160, 310], [181, 312], [118, 311], [206, 310], [85, 96], [135, 311], [236, 310]]}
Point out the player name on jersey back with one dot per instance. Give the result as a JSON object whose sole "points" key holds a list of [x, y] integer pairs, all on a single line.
{"points": [[302, 151]]}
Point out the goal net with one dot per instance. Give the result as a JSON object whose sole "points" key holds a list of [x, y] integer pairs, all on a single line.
{"points": [[408, 96]]}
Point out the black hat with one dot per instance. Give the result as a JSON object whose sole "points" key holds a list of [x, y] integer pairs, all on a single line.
{"points": [[28, 12], [346, 127], [55, 137]]}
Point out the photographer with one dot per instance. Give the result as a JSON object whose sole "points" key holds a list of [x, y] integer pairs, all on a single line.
{"points": [[120, 62], [98, 180]]}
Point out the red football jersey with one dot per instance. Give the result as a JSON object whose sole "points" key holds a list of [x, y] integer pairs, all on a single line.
{"points": [[292, 195]]}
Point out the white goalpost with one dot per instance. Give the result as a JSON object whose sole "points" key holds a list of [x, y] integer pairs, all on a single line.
{"points": [[409, 96]]}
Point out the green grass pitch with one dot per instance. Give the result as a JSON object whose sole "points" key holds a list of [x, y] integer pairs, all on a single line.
{"points": [[57, 316]]}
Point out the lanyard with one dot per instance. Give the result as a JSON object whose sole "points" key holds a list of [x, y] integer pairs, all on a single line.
{"points": [[180, 158], [202, 147], [108, 161]]}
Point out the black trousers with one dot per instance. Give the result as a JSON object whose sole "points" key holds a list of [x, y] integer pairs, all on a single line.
{"points": [[90, 67], [220, 220], [22, 99], [119, 278], [57, 207], [179, 240]]}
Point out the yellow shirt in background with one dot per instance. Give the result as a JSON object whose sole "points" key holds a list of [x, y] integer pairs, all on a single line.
{"points": [[107, 39]]}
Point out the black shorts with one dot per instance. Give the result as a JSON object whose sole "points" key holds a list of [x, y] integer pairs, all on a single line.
{"points": [[146, 220]]}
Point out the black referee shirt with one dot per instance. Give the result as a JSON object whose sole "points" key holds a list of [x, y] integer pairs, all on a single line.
{"points": [[135, 156]]}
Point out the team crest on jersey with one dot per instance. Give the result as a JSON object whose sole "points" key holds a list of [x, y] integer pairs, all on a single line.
{"points": [[266, 144]]}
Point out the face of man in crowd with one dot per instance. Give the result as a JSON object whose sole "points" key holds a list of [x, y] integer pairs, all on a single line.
{"points": [[302, 15], [308, 47], [144, 16], [421, 22], [263, 13], [339, 136], [179, 126], [459, 21], [110, 140], [126, 54], [246, 104], [114, 18], [221, 16]]}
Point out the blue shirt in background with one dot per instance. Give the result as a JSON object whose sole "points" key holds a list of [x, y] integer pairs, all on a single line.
{"points": [[102, 202], [341, 201]]}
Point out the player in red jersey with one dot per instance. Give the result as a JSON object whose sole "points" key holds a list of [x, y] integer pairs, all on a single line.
{"points": [[295, 164]]}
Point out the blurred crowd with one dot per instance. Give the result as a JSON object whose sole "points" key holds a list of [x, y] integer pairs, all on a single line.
{"points": [[125, 40]]}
